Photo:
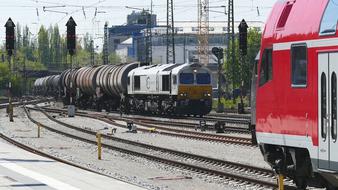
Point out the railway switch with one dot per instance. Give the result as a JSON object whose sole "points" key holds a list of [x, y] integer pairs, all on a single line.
{"points": [[131, 127], [202, 125], [219, 127]]}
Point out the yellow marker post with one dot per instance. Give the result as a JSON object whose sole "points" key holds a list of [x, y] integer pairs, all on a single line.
{"points": [[99, 145], [39, 129], [280, 182]]}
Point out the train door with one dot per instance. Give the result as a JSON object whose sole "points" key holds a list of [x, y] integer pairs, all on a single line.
{"points": [[327, 108], [333, 61]]}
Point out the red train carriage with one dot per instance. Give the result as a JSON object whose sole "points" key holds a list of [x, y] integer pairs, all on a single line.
{"points": [[296, 113]]}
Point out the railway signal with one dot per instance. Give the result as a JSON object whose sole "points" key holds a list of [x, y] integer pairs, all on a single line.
{"points": [[243, 46], [71, 46], [71, 35], [243, 35], [10, 36], [10, 40], [218, 52]]}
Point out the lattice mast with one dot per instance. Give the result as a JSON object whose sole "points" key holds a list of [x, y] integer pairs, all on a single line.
{"points": [[105, 44], [170, 32], [203, 31], [231, 37], [148, 35]]}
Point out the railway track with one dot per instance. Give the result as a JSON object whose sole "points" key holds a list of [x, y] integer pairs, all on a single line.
{"points": [[230, 119], [169, 131], [40, 153], [190, 125], [230, 115], [229, 171], [24, 101]]}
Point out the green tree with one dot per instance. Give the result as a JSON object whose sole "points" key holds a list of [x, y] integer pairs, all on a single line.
{"points": [[43, 46], [242, 70], [113, 58], [86, 42], [18, 36], [55, 47], [254, 44]]}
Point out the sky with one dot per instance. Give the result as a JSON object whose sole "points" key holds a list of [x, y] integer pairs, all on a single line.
{"points": [[35, 13]]}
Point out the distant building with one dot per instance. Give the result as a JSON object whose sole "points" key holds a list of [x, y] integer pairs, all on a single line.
{"points": [[186, 40], [139, 18], [136, 22], [186, 43]]}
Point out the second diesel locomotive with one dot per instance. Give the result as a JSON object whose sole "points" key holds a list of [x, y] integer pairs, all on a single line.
{"points": [[180, 89]]}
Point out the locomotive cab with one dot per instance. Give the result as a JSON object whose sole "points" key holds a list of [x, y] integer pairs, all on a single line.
{"points": [[194, 90], [170, 89]]}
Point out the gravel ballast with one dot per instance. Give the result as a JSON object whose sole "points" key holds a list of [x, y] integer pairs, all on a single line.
{"points": [[119, 165]]}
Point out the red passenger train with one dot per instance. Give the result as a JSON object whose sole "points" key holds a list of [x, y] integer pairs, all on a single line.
{"points": [[296, 100]]}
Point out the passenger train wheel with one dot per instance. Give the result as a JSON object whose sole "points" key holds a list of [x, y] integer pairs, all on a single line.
{"points": [[301, 182]]}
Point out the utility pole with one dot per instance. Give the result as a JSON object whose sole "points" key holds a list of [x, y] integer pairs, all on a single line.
{"points": [[25, 75], [170, 32], [10, 40], [92, 54], [149, 45], [203, 31], [218, 52], [148, 39], [105, 44], [231, 37], [71, 46]]}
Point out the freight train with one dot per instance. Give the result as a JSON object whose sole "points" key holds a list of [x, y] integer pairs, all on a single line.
{"points": [[296, 92], [170, 89]]}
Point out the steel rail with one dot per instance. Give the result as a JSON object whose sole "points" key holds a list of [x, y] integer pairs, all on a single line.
{"points": [[168, 161]]}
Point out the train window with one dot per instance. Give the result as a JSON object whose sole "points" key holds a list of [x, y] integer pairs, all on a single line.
{"points": [[323, 105], [165, 83], [328, 24], [186, 78], [285, 15], [334, 106], [203, 78], [265, 73], [299, 65], [128, 81], [174, 79], [137, 83], [256, 64]]}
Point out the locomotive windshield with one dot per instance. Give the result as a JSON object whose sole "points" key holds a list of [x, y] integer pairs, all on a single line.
{"points": [[203, 78], [328, 25], [186, 78]]}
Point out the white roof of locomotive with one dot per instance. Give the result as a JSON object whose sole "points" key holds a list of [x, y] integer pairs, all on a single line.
{"points": [[161, 69]]}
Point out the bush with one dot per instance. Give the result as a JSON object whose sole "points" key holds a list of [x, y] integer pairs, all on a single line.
{"points": [[229, 103]]}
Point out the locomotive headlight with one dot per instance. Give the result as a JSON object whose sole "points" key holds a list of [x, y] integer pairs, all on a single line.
{"points": [[184, 94], [207, 94]]}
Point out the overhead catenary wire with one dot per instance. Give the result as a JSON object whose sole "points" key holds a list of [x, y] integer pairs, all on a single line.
{"points": [[115, 9]]}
